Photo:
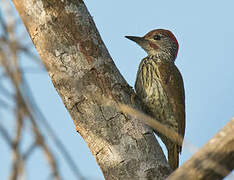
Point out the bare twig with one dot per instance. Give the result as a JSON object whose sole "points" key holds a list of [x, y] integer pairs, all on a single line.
{"points": [[29, 151], [14, 72], [214, 160], [156, 125], [17, 167], [6, 136], [51, 132], [46, 150]]}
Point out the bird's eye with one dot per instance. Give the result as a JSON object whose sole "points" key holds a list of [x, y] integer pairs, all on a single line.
{"points": [[157, 37]]}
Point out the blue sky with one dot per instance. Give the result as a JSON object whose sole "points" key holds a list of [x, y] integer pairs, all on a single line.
{"points": [[204, 30]]}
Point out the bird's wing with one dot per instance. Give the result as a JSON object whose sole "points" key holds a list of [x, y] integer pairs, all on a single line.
{"points": [[172, 83]]}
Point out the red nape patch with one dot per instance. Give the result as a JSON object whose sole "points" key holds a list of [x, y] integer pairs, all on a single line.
{"points": [[170, 34], [154, 46]]}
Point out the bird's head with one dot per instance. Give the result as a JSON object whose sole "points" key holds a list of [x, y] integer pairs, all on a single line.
{"points": [[159, 42]]}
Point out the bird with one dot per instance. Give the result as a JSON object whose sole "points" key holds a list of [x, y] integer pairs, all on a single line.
{"points": [[159, 85]]}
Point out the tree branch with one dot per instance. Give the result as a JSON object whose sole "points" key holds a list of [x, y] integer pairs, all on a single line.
{"points": [[214, 161], [83, 72]]}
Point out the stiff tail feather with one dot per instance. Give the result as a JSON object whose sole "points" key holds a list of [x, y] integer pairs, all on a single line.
{"points": [[173, 156]]}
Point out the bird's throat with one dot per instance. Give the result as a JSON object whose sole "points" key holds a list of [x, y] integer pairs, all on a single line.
{"points": [[163, 56]]}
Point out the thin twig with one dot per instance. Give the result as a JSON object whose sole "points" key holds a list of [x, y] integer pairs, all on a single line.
{"points": [[5, 135], [31, 103], [39, 137]]}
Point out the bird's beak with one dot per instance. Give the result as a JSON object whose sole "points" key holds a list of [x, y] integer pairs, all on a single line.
{"points": [[139, 40]]}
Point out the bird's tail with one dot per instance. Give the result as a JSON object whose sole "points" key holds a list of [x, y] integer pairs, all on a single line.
{"points": [[173, 156]]}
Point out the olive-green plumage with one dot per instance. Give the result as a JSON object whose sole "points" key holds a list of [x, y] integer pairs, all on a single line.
{"points": [[159, 85]]}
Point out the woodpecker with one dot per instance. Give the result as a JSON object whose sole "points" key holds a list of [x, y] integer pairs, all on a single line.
{"points": [[159, 85]]}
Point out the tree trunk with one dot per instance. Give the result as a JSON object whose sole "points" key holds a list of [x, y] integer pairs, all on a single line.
{"points": [[89, 84]]}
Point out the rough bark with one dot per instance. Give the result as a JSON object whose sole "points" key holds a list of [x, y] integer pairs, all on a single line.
{"points": [[83, 74], [212, 162]]}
